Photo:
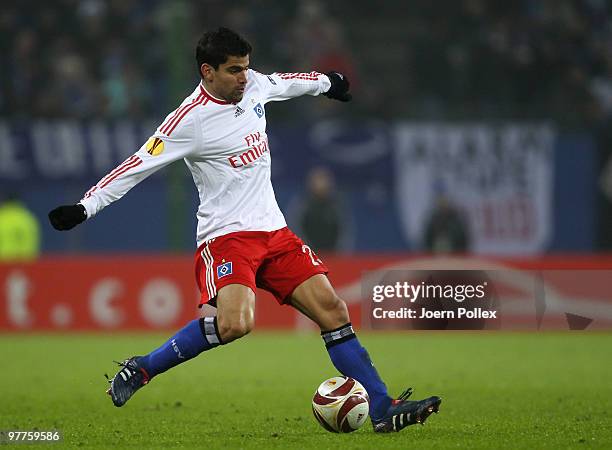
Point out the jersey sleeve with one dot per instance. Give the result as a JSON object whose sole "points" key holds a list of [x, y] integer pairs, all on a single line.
{"points": [[161, 149], [281, 86]]}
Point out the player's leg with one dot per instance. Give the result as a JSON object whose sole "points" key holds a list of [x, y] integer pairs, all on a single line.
{"points": [[317, 299], [225, 270], [234, 319], [235, 312], [294, 274]]}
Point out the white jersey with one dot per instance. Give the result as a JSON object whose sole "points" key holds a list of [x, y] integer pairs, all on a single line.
{"points": [[226, 149]]}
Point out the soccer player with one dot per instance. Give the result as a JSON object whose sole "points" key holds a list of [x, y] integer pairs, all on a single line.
{"points": [[243, 240]]}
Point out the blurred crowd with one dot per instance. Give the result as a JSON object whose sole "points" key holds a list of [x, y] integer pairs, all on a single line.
{"points": [[525, 58], [79, 59], [444, 60]]}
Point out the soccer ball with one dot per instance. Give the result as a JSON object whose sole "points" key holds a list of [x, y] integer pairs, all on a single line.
{"points": [[341, 405]]}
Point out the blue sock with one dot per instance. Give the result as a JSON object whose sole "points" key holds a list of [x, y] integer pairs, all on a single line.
{"points": [[196, 337], [352, 360]]}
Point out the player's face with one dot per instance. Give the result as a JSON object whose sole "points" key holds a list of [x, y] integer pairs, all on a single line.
{"points": [[229, 80]]}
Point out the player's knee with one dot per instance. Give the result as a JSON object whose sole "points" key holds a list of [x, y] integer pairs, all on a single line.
{"points": [[336, 311], [341, 314], [234, 328]]}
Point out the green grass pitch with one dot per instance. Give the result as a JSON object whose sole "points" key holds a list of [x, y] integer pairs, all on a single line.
{"points": [[520, 390]]}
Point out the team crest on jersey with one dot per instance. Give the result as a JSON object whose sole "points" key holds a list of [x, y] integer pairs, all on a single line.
{"points": [[155, 146], [259, 110], [238, 111], [224, 269]]}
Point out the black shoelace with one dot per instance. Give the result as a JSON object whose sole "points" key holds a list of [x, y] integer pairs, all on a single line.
{"points": [[404, 395]]}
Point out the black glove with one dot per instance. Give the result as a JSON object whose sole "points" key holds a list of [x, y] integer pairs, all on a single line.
{"points": [[67, 217], [339, 87]]}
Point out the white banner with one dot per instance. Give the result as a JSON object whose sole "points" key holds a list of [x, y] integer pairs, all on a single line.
{"points": [[500, 178]]}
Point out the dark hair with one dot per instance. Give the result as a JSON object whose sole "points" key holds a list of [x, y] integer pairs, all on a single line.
{"points": [[215, 46]]}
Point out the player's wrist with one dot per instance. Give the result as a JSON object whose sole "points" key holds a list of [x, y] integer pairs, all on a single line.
{"points": [[339, 87], [83, 210]]}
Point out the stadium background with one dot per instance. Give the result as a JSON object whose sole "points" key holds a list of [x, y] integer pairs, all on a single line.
{"points": [[477, 129], [87, 81], [501, 110]]}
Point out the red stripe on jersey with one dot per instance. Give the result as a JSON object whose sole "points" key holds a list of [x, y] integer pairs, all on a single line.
{"points": [[200, 101], [91, 191], [119, 167], [165, 126], [299, 75], [171, 118], [122, 171], [177, 111]]}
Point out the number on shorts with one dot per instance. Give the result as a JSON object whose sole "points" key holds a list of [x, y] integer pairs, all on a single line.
{"points": [[314, 258]]}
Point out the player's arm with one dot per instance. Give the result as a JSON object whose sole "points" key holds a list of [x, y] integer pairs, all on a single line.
{"points": [[159, 151], [283, 86]]}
